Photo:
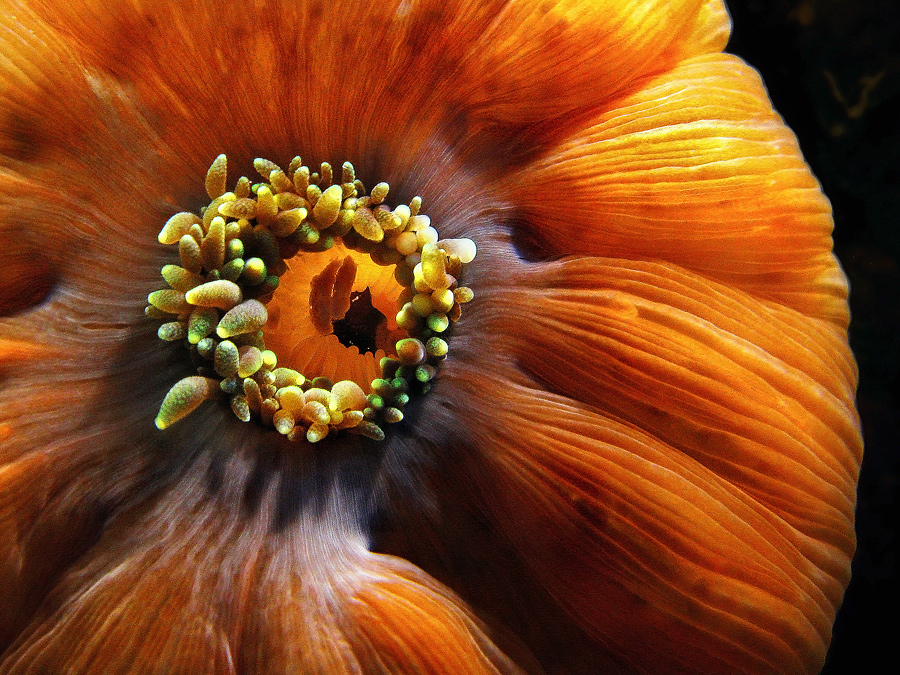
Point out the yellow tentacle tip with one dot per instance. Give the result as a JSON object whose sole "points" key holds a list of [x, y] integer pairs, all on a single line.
{"points": [[184, 398]]}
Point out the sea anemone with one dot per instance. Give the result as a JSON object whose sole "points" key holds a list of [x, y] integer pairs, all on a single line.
{"points": [[633, 450]]}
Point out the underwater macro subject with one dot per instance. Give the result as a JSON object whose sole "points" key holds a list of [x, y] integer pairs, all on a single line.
{"points": [[500, 336]]}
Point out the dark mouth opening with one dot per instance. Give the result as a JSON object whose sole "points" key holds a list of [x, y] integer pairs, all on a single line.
{"points": [[360, 325]]}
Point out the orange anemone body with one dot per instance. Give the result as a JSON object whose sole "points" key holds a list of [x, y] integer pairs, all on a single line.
{"points": [[640, 456]]}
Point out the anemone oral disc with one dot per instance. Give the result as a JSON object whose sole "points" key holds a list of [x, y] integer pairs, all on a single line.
{"points": [[232, 256]]}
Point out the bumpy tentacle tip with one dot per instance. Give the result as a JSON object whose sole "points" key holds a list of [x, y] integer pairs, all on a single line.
{"points": [[219, 293], [216, 177], [247, 317], [185, 397], [176, 227]]}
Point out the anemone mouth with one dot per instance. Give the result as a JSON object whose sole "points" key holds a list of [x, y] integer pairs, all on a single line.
{"points": [[297, 294], [335, 315]]}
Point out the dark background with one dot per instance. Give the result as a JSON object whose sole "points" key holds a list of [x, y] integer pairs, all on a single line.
{"points": [[832, 68]]}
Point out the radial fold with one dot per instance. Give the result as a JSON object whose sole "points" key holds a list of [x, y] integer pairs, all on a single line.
{"points": [[13, 351], [302, 76], [240, 593], [344, 609], [761, 395], [390, 616], [539, 60], [711, 30], [28, 276], [106, 613], [23, 495], [695, 168], [694, 574], [469, 62], [83, 173]]}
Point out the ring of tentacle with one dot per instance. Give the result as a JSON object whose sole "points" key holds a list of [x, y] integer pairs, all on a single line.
{"points": [[233, 255]]}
